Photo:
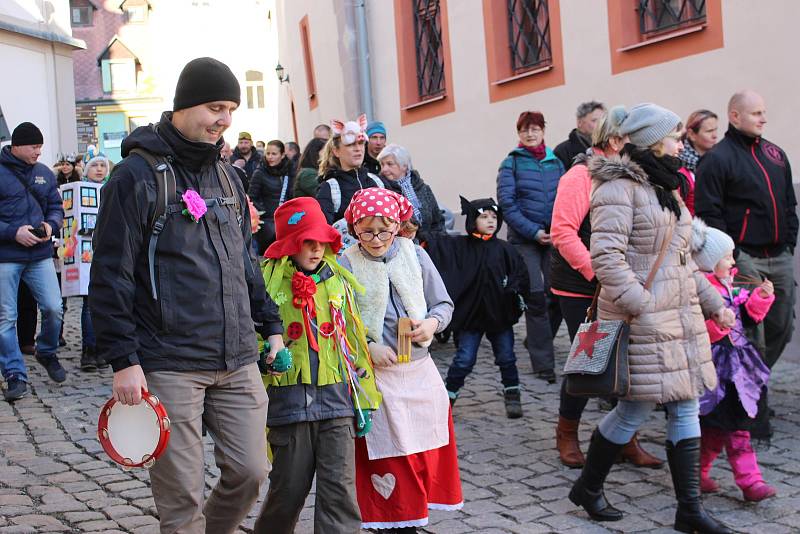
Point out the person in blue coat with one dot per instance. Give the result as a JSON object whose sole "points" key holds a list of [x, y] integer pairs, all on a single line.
{"points": [[30, 213], [526, 189]]}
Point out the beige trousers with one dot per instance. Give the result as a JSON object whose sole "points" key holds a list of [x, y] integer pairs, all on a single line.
{"points": [[233, 406]]}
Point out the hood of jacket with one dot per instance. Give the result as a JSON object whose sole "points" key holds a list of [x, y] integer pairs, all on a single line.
{"points": [[163, 139], [345, 176], [521, 152], [605, 169], [14, 164], [283, 168]]}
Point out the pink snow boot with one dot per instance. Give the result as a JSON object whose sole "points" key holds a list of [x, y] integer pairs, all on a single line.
{"points": [[712, 441], [744, 463]]}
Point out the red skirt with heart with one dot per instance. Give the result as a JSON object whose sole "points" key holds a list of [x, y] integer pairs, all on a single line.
{"points": [[397, 492]]}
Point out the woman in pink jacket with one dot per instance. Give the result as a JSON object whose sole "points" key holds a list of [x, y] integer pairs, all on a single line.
{"points": [[573, 280]]}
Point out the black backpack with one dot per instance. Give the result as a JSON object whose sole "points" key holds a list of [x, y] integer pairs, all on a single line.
{"points": [[166, 206]]}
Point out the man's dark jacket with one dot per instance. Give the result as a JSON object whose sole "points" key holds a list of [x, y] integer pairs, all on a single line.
{"points": [[371, 164], [744, 188], [575, 144], [20, 205], [208, 298]]}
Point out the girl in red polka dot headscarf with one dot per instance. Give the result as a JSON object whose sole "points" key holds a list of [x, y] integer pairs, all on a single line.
{"points": [[408, 463]]}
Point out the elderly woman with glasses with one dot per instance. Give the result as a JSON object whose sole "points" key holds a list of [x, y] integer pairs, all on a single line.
{"points": [[402, 178], [526, 189]]}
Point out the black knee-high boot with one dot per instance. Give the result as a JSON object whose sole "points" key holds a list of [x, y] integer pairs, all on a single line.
{"points": [[587, 491], [684, 466]]}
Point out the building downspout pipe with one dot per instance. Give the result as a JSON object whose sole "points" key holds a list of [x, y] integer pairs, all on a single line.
{"points": [[362, 48]]}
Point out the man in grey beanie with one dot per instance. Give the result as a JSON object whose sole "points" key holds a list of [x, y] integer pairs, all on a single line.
{"points": [[181, 299]]}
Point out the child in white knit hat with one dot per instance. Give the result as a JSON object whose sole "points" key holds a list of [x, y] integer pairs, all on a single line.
{"points": [[727, 412]]}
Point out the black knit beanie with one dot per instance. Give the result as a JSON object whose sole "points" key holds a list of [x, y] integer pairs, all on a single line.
{"points": [[27, 134], [205, 80]]}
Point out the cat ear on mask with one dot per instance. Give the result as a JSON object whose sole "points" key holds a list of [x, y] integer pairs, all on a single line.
{"points": [[466, 206]]}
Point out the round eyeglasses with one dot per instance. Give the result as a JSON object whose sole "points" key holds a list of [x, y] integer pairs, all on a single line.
{"points": [[366, 237]]}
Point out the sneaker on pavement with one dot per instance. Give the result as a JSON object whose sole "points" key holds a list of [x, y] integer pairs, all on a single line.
{"points": [[100, 362], [513, 401], [88, 361], [15, 389], [53, 367]]}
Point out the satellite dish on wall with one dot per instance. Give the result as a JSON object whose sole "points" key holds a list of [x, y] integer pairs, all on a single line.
{"points": [[5, 134]]}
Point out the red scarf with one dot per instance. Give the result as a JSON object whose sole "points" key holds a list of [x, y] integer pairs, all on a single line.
{"points": [[539, 151]]}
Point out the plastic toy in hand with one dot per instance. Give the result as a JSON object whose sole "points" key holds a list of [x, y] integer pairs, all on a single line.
{"points": [[281, 363], [363, 422]]}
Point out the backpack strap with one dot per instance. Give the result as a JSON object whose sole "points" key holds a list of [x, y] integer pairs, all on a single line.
{"points": [[336, 193], [166, 188], [231, 193], [284, 189], [378, 181]]}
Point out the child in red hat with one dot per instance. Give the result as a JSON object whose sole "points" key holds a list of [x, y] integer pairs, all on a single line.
{"points": [[312, 405], [408, 463]]}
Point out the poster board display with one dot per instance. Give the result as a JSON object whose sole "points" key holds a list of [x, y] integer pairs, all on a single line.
{"points": [[81, 201]]}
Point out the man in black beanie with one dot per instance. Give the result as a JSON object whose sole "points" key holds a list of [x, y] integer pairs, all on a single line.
{"points": [[182, 299], [30, 212]]}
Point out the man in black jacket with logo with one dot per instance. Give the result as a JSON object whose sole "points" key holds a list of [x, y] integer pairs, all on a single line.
{"points": [[179, 319], [744, 187]]}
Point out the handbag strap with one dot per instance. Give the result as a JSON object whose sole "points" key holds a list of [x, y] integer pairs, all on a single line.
{"points": [[591, 313]]}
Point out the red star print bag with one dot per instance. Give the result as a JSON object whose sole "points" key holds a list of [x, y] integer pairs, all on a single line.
{"points": [[597, 365]]}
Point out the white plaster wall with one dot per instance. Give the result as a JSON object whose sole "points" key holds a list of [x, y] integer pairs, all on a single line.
{"points": [[42, 91], [458, 153], [239, 33]]}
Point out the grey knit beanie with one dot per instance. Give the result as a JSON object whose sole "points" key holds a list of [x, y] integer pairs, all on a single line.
{"points": [[709, 245], [647, 124]]}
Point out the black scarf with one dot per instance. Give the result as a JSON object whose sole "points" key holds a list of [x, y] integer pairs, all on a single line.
{"points": [[662, 173], [194, 155]]}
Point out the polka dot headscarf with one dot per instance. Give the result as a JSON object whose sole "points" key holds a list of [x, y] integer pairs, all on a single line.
{"points": [[378, 202]]}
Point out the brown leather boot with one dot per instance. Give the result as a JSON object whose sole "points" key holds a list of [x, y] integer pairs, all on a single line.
{"points": [[635, 454], [569, 449]]}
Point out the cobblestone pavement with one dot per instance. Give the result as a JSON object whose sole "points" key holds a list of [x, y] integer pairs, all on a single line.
{"points": [[54, 476]]}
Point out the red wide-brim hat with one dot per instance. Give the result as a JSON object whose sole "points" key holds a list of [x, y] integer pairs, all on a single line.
{"points": [[298, 220]]}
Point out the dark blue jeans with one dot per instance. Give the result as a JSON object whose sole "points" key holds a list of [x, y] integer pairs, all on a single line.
{"points": [[467, 354], [87, 329]]}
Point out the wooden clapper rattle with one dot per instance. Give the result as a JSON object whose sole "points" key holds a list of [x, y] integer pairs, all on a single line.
{"points": [[404, 340]]}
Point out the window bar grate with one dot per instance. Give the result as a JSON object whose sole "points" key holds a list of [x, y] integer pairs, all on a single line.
{"points": [[529, 34], [430, 56], [656, 16]]}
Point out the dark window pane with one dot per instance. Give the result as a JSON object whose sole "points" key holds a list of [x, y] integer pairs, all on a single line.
{"points": [[656, 16], [430, 56], [529, 34]]}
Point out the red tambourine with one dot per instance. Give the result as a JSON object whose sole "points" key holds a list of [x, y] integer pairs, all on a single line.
{"points": [[134, 436]]}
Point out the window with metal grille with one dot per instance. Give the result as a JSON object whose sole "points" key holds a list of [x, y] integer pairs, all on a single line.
{"points": [[430, 56], [657, 16], [529, 34]]}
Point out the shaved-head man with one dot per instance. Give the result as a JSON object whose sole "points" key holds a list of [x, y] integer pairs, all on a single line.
{"points": [[744, 187]]}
